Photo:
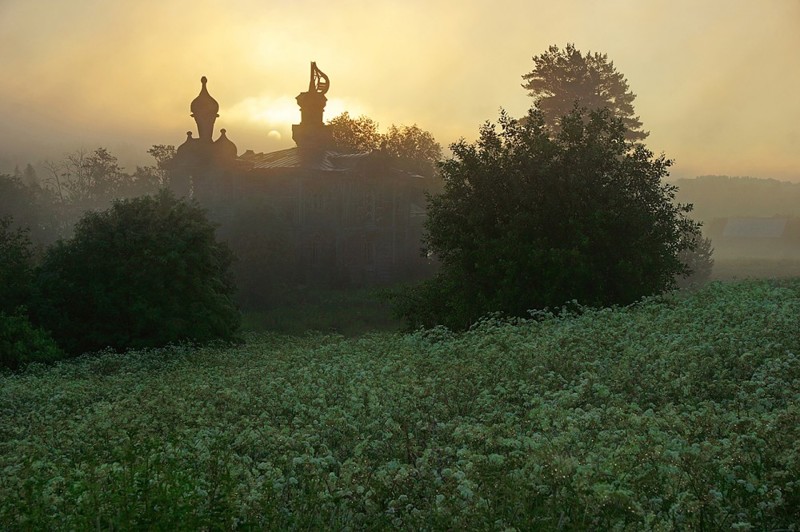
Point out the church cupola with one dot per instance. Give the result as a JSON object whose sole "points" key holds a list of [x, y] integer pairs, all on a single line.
{"points": [[204, 110], [224, 148], [311, 131]]}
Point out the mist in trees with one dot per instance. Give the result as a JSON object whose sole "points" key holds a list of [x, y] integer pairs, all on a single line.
{"points": [[563, 78], [49, 205], [564, 204]]}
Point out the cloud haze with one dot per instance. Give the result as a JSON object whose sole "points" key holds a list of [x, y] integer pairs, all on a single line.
{"points": [[717, 81]]}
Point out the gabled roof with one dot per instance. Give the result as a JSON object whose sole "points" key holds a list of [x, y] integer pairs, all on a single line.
{"points": [[327, 160], [321, 160]]}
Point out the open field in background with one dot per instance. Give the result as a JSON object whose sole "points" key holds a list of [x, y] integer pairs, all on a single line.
{"points": [[679, 413], [728, 269]]}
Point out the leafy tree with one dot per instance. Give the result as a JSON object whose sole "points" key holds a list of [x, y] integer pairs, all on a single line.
{"points": [[355, 134], [560, 78], [86, 180], [31, 207], [16, 266], [415, 148], [146, 272], [163, 154], [530, 221], [151, 178], [22, 343], [91, 177]]}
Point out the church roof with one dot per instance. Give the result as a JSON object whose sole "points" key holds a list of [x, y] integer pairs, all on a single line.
{"points": [[326, 160]]}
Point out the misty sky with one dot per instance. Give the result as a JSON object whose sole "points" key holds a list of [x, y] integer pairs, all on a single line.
{"points": [[717, 81]]}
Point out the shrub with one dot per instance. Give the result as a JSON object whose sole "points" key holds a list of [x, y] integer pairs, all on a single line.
{"points": [[529, 221], [21, 343], [146, 272]]}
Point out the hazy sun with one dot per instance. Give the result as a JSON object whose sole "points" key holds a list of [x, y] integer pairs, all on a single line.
{"points": [[278, 114], [264, 110]]}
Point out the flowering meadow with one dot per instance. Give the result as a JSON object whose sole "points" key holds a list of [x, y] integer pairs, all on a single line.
{"points": [[680, 412]]}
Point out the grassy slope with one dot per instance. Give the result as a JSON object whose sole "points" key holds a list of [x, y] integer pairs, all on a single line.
{"points": [[677, 413]]}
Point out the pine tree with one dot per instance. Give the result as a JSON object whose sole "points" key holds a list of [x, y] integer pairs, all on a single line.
{"points": [[562, 78]]}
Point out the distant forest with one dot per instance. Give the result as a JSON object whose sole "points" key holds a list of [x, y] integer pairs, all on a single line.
{"points": [[719, 196]]}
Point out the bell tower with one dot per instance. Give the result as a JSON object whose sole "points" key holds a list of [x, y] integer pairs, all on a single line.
{"points": [[311, 132]]}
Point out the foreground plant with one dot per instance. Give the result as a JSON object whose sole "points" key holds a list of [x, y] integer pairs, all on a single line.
{"points": [[678, 413]]}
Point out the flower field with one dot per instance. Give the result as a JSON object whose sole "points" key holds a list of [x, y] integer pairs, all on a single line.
{"points": [[678, 413]]}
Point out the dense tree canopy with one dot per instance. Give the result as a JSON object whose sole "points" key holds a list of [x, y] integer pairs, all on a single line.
{"points": [[16, 266], [146, 272], [29, 207], [355, 134], [528, 221], [562, 77], [415, 148]]}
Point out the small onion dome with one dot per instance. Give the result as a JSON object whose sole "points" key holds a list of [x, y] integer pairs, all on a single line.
{"points": [[223, 146], [204, 104], [187, 146]]}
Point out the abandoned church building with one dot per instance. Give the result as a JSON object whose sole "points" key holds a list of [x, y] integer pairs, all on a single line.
{"points": [[326, 217]]}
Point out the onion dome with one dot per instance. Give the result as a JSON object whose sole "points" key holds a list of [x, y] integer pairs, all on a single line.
{"points": [[224, 148], [204, 104], [187, 146]]}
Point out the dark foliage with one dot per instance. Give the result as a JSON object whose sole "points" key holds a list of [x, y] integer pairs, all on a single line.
{"points": [[529, 221], [15, 266], [21, 343], [32, 208], [146, 272], [560, 78]]}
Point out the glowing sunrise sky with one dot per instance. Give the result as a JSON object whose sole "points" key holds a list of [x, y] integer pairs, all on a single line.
{"points": [[717, 81]]}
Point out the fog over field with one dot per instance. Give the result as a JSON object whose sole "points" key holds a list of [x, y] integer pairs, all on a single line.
{"points": [[716, 81]]}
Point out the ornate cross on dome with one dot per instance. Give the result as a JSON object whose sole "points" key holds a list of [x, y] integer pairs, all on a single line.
{"points": [[319, 82]]}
